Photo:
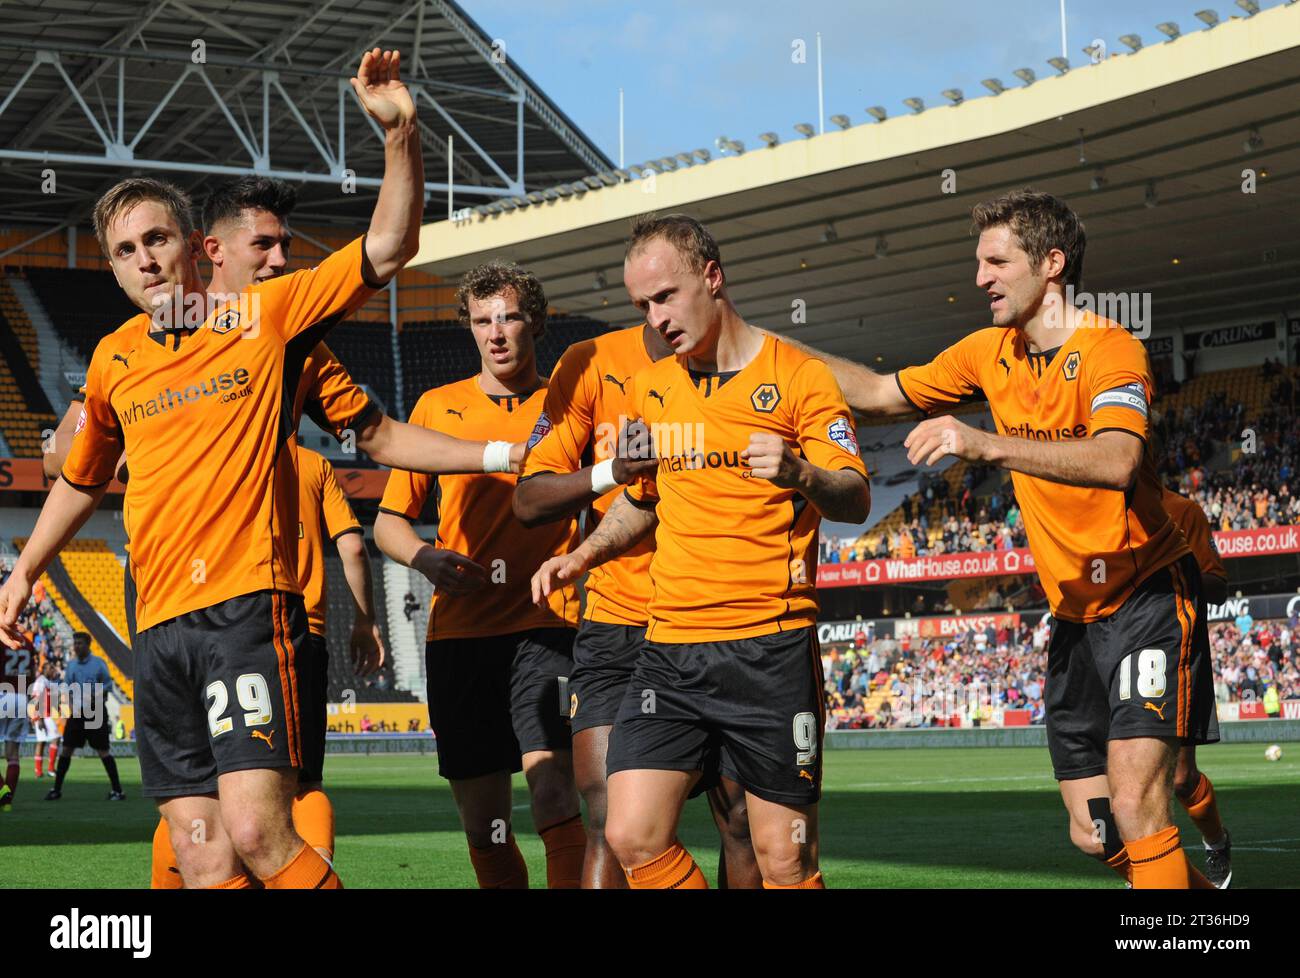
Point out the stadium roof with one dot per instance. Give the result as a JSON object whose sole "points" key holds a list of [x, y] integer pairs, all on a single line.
{"points": [[1149, 147], [132, 69]]}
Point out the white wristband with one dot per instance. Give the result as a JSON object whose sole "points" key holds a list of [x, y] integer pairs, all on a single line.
{"points": [[602, 477], [496, 456]]}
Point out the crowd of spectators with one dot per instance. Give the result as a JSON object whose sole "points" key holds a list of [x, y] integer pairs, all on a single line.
{"points": [[1250, 492], [930, 680], [878, 683], [38, 621], [1253, 490], [1250, 657]]}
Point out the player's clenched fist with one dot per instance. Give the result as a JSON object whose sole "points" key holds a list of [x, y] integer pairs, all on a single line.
{"points": [[934, 438], [636, 454], [378, 84], [770, 458], [518, 456], [13, 598], [556, 573], [448, 571]]}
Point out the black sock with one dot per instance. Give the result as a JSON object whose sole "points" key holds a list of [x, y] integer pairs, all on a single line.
{"points": [[61, 772], [110, 766]]}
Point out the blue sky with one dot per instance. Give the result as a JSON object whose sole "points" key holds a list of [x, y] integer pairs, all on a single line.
{"points": [[692, 70]]}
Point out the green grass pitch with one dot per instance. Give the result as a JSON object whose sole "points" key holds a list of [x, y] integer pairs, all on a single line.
{"points": [[970, 817]]}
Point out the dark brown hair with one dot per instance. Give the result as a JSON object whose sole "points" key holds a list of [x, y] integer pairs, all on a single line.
{"points": [[691, 239], [497, 277], [1040, 223], [230, 199], [122, 196]]}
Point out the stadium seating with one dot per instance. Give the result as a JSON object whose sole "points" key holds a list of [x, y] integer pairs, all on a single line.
{"points": [[102, 599], [24, 409], [84, 304], [338, 630], [365, 349], [442, 351]]}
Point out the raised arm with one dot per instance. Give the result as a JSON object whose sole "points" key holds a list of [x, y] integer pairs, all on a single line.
{"points": [[65, 511], [622, 528], [394, 235]]}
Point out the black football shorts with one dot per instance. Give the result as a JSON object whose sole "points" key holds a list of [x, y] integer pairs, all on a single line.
{"points": [[494, 698], [754, 704], [217, 691], [604, 656], [1144, 671], [76, 734]]}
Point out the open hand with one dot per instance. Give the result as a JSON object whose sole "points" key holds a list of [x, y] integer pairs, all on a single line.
{"points": [[378, 84]]}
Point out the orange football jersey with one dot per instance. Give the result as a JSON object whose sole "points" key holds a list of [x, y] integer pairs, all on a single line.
{"points": [[205, 417], [1195, 526], [323, 511], [736, 557], [1092, 547], [328, 395], [588, 402], [476, 517]]}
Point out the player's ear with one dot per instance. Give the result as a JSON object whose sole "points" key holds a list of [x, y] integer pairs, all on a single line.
{"points": [[714, 280], [211, 247], [1055, 265]]}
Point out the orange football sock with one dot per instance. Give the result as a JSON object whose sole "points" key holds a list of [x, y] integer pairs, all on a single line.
{"points": [[1159, 862], [1120, 863], [673, 869], [813, 882], [1204, 810], [566, 847], [500, 866], [240, 882], [313, 819], [40, 758], [305, 871], [164, 873], [54, 755]]}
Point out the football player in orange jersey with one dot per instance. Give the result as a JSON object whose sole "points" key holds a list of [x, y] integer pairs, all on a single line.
{"points": [[730, 667], [494, 661], [247, 239], [578, 466], [176, 395], [1129, 673], [1087, 800]]}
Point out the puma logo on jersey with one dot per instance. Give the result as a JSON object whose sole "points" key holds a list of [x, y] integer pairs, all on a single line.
{"points": [[573, 705], [123, 358], [1157, 710], [460, 414], [805, 774], [618, 383], [258, 735], [1003, 361], [660, 397]]}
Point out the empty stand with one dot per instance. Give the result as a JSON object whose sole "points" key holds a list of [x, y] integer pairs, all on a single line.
{"points": [[338, 631], [25, 412], [84, 304], [442, 351], [365, 349]]}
